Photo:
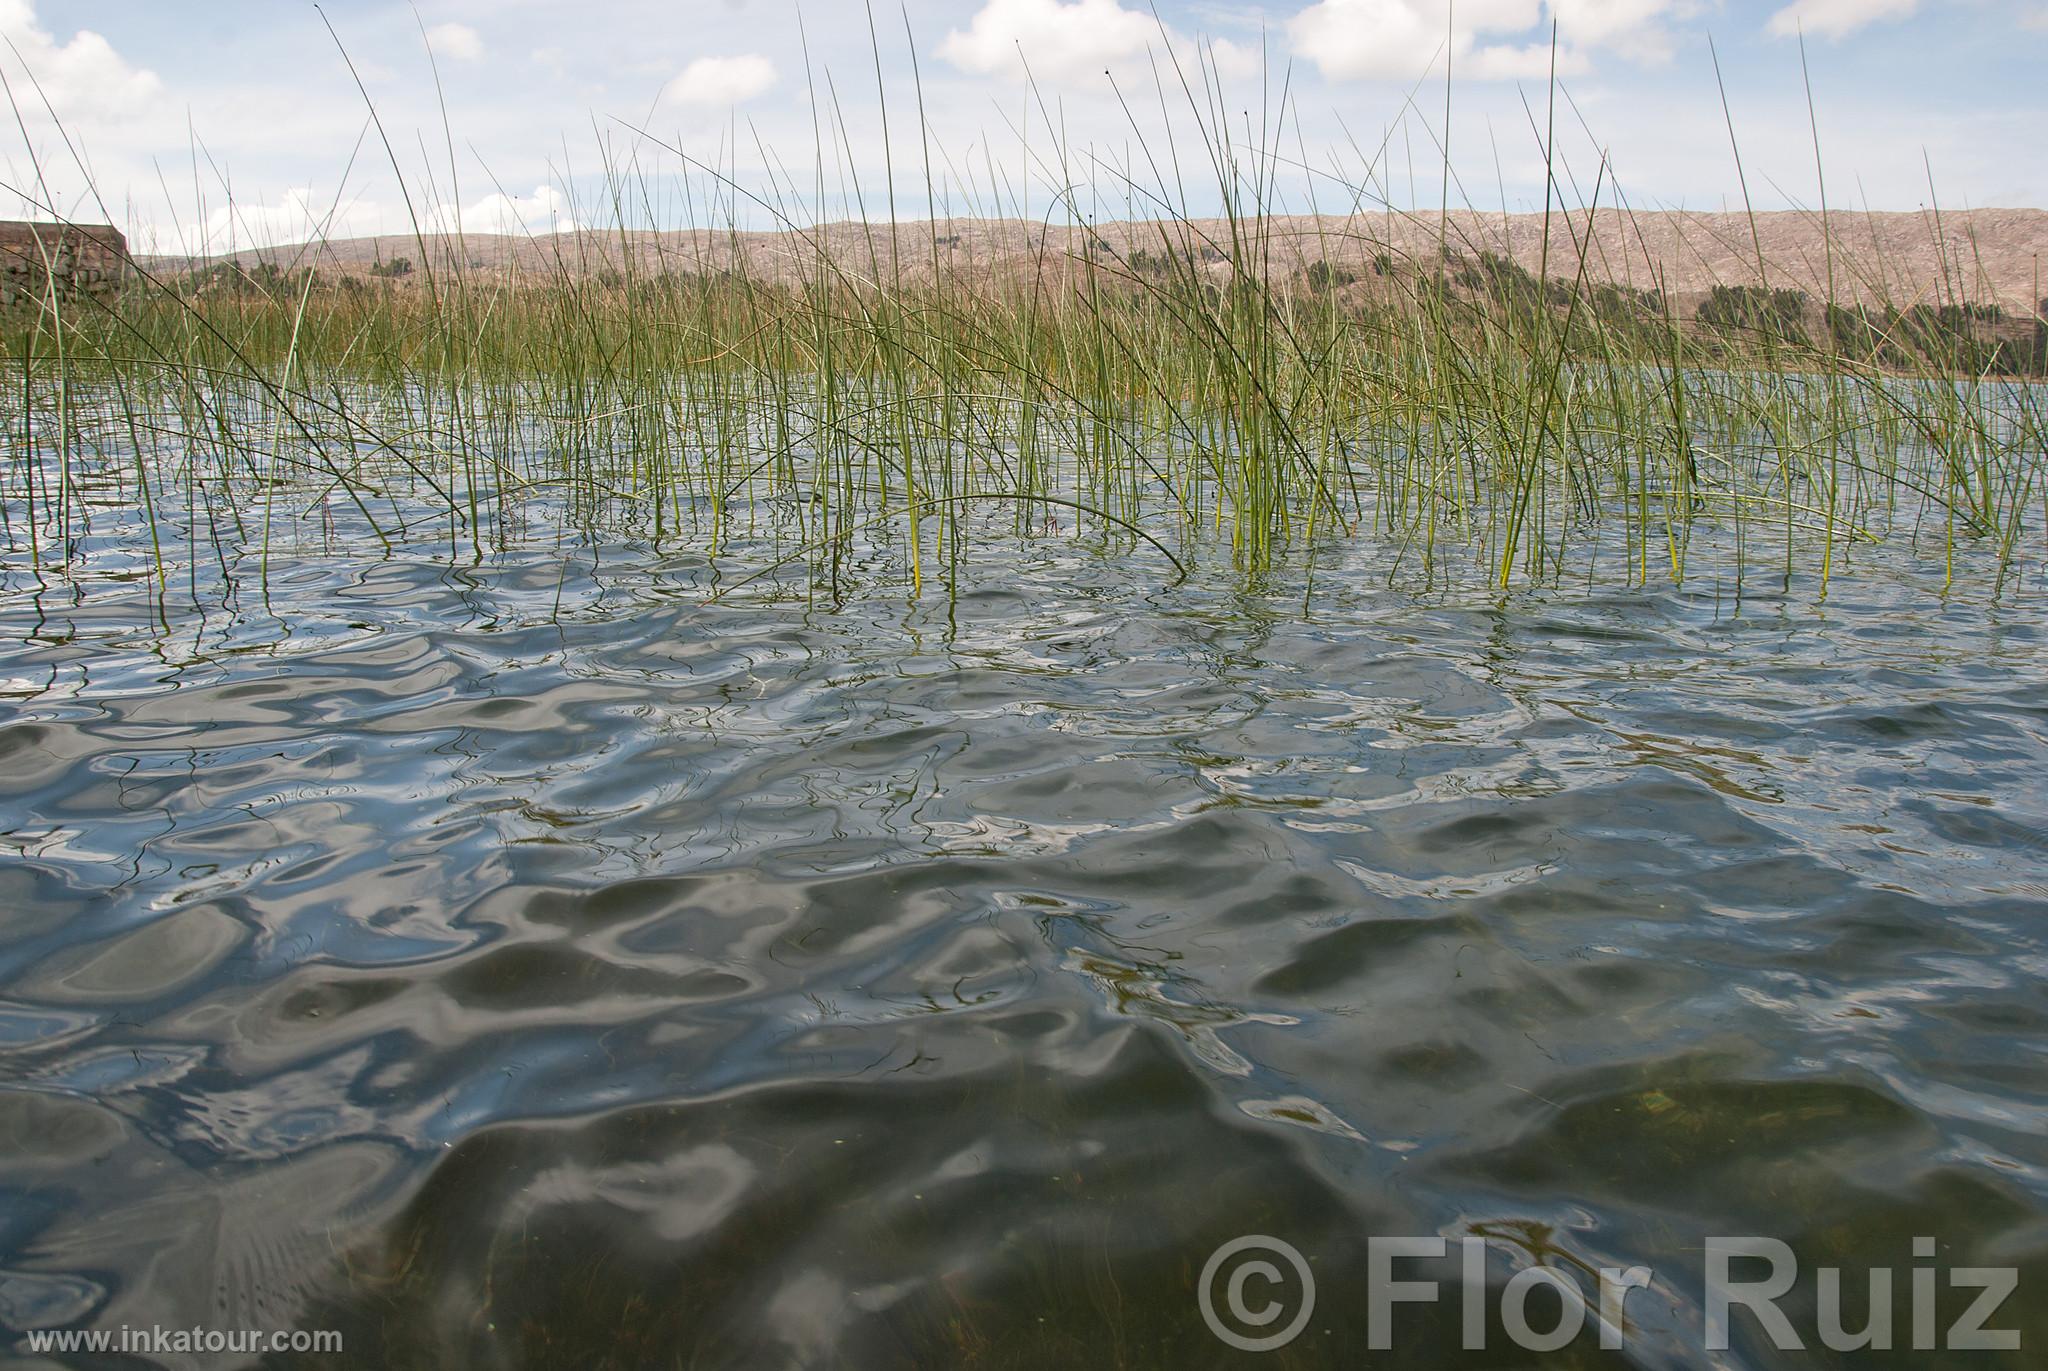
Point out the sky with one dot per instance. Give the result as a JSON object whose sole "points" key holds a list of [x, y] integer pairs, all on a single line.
{"points": [[210, 127]]}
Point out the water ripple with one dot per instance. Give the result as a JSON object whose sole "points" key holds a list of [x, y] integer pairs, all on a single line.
{"points": [[517, 970]]}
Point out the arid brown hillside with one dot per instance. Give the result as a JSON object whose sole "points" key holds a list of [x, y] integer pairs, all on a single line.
{"points": [[1986, 256]]}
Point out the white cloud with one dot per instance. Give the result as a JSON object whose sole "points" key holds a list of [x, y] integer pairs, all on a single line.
{"points": [[1634, 28], [302, 216], [1061, 40], [721, 81], [1837, 18], [1398, 39], [458, 41], [1486, 39], [298, 216], [84, 79], [1056, 36], [544, 211]]}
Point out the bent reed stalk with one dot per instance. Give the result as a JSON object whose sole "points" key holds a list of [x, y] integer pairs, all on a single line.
{"points": [[1252, 380]]}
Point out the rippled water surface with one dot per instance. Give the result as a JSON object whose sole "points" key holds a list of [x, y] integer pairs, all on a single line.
{"points": [[514, 965]]}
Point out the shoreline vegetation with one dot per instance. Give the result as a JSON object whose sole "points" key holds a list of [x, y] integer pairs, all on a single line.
{"points": [[1515, 395], [1984, 260]]}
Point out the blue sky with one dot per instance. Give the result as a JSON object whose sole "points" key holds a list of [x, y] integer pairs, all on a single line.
{"points": [[238, 121]]}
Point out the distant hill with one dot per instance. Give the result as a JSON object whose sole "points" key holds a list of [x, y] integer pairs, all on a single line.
{"points": [[1985, 256]]}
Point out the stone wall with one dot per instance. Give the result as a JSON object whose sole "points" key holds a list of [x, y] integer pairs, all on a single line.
{"points": [[82, 257]]}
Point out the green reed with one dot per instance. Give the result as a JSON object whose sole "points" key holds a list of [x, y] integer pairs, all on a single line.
{"points": [[1167, 384]]}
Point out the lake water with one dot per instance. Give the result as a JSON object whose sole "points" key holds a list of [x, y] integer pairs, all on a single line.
{"points": [[529, 964]]}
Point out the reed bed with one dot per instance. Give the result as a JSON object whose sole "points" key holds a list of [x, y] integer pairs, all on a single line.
{"points": [[1203, 390]]}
